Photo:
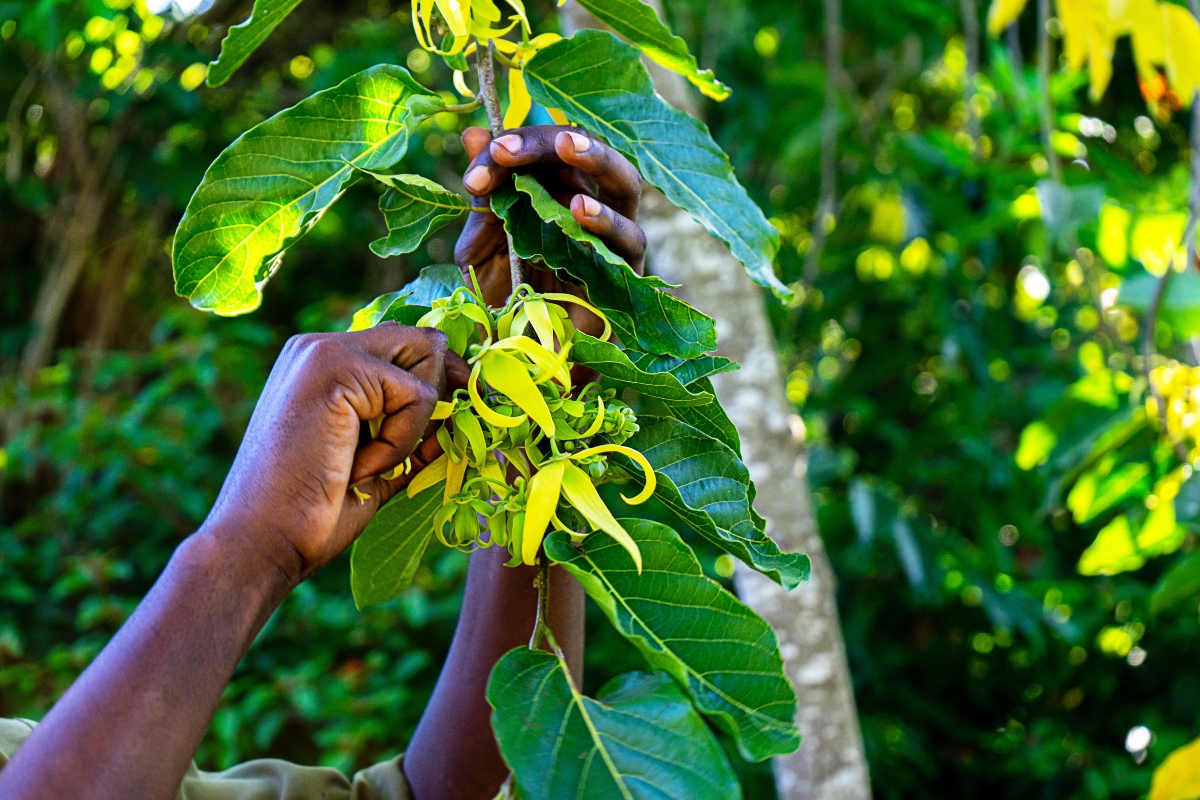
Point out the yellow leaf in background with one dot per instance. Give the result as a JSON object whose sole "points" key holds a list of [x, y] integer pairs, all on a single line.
{"points": [[1113, 551], [1113, 238], [1068, 144], [1178, 778], [1002, 14], [1143, 21], [1088, 38], [887, 221], [1027, 206], [1156, 241], [1037, 440], [1182, 52]]}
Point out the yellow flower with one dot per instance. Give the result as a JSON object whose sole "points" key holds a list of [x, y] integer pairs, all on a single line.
{"points": [[561, 477], [519, 99], [464, 18]]}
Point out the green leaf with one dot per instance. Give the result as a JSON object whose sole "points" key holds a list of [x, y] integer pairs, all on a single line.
{"points": [[1181, 582], [434, 283], [640, 312], [639, 23], [612, 362], [710, 419], [371, 314], [673, 151], [724, 655], [387, 555], [413, 207], [640, 739], [704, 482], [550, 210], [244, 39], [271, 185], [686, 370]]}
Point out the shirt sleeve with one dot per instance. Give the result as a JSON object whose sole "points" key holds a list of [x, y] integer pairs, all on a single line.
{"points": [[265, 779]]}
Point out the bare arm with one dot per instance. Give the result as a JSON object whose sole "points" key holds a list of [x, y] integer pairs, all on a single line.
{"points": [[129, 726]]}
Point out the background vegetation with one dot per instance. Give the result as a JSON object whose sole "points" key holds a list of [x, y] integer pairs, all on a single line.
{"points": [[941, 318]]}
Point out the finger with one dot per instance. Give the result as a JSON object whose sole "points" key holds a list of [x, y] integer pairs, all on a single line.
{"points": [[475, 140], [617, 178], [408, 404], [421, 351], [458, 373], [622, 235], [483, 175]]}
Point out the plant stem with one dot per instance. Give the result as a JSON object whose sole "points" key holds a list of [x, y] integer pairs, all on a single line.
{"points": [[541, 625], [827, 204], [970, 20], [491, 101], [1045, 106]]}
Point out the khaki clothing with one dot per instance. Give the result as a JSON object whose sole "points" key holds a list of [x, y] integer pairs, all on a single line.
{"points": [[266, 779]]}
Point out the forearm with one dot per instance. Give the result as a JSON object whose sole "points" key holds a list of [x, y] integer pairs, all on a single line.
{"points": [[129, 726], [453, 754]]}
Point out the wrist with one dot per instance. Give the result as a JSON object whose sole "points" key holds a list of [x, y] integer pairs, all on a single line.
{"points": [[258, 561]]}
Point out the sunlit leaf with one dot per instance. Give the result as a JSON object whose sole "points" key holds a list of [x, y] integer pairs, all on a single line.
{"points": [[722, 653], [1178, 777], [269, 187], [640, 739], [612, 362], [639, 23]]}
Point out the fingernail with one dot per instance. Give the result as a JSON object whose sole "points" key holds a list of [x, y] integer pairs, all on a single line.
{"points": [[510, 142], [591, 207], [478, 178], [581, 142]]}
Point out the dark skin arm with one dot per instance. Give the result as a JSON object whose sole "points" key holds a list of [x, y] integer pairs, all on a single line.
{"points": [[129, 726], [453, 755]]}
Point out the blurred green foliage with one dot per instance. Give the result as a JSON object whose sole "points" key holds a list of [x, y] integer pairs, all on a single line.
{"points": [[920, 348]]}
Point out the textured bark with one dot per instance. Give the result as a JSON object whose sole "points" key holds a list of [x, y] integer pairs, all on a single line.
{"points": [[831, 763]]}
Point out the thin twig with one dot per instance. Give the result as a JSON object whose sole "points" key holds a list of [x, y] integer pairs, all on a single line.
{"points": [[491, 101], [541, 624], [827, 205], [1045, 104], [970, 19], [12, 169]]}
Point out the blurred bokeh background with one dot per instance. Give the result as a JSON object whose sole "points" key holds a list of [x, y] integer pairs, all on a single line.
{"points": [[938, 321]]}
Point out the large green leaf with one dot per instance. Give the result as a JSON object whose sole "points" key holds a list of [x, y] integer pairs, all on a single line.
{"points": [[387, 555], [244, 39], [709, 419], [551, 210], [639, 23], [1181, 582], [686, 370], [640, 312], [271, 185], [413, 207], [612, 362], [673, 151], [640, 739], [724, 655], [708, 487]]}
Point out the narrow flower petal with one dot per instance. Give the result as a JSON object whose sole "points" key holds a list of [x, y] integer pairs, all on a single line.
{"points": [[510, 377], [442, 410], [544, 489], [432, 475], [629, 452], [594, 428], [469, 425], [455, 472], [481, 408], [581, 493], [539, 317], [562, 297], [519, 100], [460, 83]]}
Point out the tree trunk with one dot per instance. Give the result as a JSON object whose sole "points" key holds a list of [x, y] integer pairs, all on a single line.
{"points": [[831, 763]]}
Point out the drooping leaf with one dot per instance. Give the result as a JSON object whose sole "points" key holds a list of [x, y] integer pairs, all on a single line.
{"points": [[673, 151], [243, 39], [640, 312], [724, 655], [550, 210], [710, 420], [612, 362], [639, 23], [387, 555], [372, 313], [708, 487], [413, 207], [686, 370], [640, 739], [271, 185]]}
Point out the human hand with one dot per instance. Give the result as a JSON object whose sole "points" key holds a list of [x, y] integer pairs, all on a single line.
{"points": [[290, 495], [597, 183]]}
